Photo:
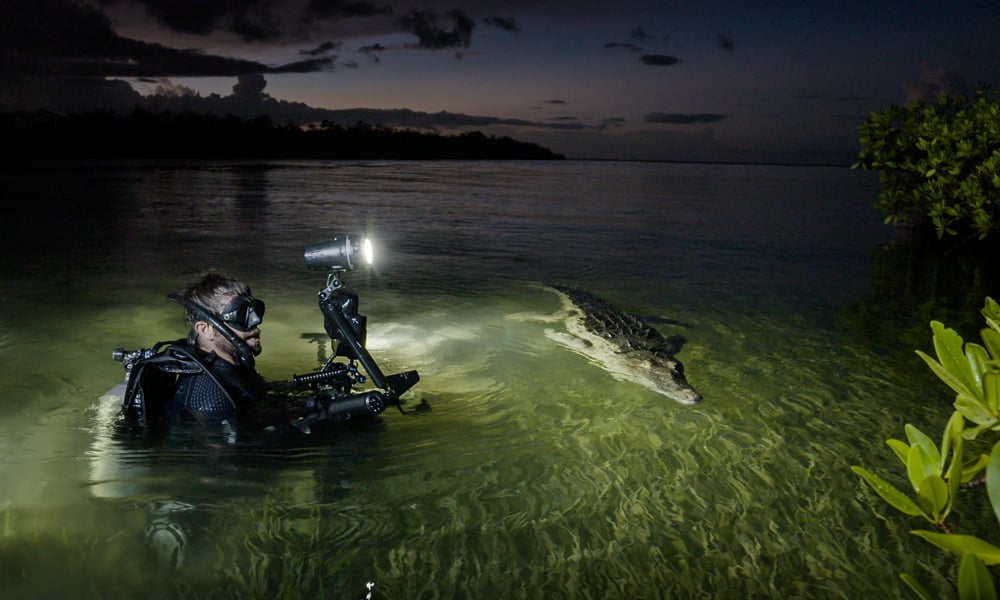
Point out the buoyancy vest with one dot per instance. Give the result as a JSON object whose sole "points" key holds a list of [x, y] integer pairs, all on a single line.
{"points": [[180, 385]]}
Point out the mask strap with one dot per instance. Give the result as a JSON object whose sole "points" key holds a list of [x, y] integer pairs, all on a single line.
{"points": [[243, 352]]}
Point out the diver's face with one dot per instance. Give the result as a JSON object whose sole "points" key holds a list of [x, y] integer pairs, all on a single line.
{"points": [[251, 338], [210, 340]]}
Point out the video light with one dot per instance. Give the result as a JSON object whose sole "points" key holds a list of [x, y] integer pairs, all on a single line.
{"points": [[340, 254]]}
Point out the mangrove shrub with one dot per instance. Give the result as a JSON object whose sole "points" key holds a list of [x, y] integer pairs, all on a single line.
{"points": [[937, 160]]}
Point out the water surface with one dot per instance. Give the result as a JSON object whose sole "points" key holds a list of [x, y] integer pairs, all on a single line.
{"points": [[536, 473]]}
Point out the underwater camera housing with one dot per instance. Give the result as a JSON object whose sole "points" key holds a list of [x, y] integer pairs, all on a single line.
{"points": [[344, 325]]}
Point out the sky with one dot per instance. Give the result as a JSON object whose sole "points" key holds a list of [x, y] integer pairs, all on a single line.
{"points": [[714, 80]]}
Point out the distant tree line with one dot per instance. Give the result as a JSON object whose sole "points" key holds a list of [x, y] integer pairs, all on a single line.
{"points": [[184, 135]]}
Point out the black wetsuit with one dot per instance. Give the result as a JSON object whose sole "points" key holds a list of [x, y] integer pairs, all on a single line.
{"points": [[181, 389]]}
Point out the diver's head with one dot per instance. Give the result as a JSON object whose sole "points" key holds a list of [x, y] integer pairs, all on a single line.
{"points": [[218, 301]]}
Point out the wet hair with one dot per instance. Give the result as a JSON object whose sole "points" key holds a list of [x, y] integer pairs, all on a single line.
{"points": [[212, 291]]}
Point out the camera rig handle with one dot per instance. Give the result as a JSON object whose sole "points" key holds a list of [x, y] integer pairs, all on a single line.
{"points": [[344, 324]]}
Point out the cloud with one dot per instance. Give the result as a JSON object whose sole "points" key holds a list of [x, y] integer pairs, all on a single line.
{"points": [[249, 19], [372, 51], [632, 47], [66, 39], [322, 49], [726, 42], [505, 23], [165, 87], [250, 86], [424, 24], [639, 34], [340, 9], [659, 60], [683, 118]]}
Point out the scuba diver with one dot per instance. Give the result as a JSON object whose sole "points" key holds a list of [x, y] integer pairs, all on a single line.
{"points": [[207, 383]]}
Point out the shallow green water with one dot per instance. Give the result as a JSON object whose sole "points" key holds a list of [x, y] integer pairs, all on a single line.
{"points": [[536, 474]]}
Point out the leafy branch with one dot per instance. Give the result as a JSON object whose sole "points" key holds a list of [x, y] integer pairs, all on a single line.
{"points": [[938, 475]]}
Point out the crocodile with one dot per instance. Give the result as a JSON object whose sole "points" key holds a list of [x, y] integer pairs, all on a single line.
{"points": [[622, 343]]}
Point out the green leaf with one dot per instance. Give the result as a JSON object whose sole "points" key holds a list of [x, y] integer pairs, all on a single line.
{"points": [[962, 544], [977, 357], [991, 391], [949, 347], [993, 479], [933, 498], [991, 338], [889, 493], [991, 311], [972, 469], [917, 587], [974, 581], [955, 470], [920, 466], [901, 448], [945, 375], [975, 411], [952, 433], [972, 433], [927, 447]]}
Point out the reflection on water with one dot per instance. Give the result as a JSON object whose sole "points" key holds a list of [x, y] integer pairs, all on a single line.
{"points": [[535, 474]]}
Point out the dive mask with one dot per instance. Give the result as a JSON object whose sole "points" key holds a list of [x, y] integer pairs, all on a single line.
{"points": [[243, 313]]}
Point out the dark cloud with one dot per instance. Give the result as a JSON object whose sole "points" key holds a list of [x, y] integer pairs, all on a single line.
{"points": [[553, 102], [372, 52], [626, 46], [505, 23], [683, 118], [250, 86], [424, 24], [322, 49], [192, 17], [52, 29], [341, 9], [659, 60], [639, 34], [726, 42], [67, 39], [252, 20], [255, 28]]}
